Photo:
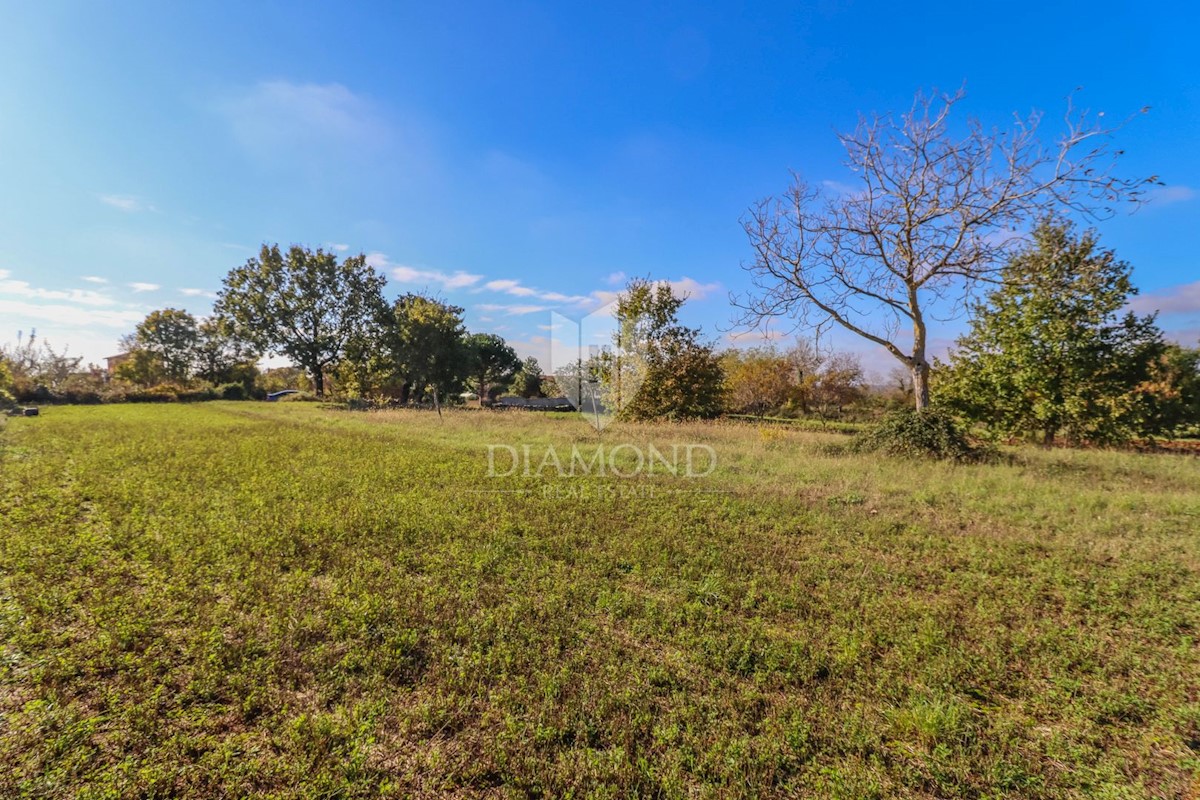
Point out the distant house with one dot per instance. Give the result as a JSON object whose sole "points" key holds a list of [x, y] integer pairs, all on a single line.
{"points": [[535, 403], [114, 362]]}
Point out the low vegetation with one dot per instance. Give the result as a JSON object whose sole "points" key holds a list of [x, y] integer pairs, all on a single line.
{"points": [[244, 600], [921, 434]]}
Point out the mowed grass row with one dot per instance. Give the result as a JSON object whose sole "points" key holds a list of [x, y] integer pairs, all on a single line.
{"points": [[232, 600]]}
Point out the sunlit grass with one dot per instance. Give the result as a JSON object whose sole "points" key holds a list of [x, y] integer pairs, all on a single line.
{"points": [[241, 599]]}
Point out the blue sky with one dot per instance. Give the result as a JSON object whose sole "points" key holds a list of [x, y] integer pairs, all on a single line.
{"points": [[514, 157]]}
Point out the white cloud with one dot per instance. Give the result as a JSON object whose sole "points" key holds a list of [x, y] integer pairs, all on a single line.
{"points": [[512, 310], [198, 293], [273, 119], [455, 280], [405, 274], [839, 188], [603, 297], [1182, 299], [615, 278], [688, 288], [1167, 195], [755, 336], [692, 289], [509, 286], [556, 297], [94, 279], [517, 289], [125, 202], [537, 346], [139, 287], [502, 285], [15, 288], [71, 314], [1188, 337], [341, 248], [88, 321]]}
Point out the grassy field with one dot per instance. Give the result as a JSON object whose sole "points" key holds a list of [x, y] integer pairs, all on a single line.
{"points": [[242, 599]]}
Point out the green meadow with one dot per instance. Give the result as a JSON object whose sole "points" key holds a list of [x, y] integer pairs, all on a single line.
{"points": [[288, 600]]}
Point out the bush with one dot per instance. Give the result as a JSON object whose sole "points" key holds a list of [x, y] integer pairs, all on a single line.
{"points": [[26, 391], [931, 433], [155, 394], [196, 395], [79, 396], [232, 391]]}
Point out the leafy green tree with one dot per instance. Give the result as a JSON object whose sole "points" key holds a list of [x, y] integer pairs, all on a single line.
{"points": [[427, 344], [6, 383], [277, 379], [142, 368], [529, 381], [1052, 351], [367, 368], [220, 356], [492, 362], [171, 336], [680, 376], [302, 304]]}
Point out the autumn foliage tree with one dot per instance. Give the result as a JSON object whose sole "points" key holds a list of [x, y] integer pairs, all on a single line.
{"points": [[759, 380], [803, 378], [680, 376]]}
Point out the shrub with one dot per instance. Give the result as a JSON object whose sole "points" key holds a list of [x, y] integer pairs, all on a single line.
{"points": [[165, 393], [930, 433], [195, 395], [79, 396], [26, 391], [116, 392], [6, 384], [232, 391]]}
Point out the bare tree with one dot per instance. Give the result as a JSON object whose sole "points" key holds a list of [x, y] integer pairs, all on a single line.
{"points": [[933, 214]]}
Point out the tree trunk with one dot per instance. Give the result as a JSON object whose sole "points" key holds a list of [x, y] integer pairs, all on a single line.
{"points": [[920, 376], [437, 405], [318, 377], [920, 367]]}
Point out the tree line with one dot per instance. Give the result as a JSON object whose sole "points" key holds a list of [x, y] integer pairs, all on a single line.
{"points": [[943, 218], [330, 319], [1051, 353]]}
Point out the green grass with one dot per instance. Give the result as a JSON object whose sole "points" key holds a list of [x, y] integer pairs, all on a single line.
{"points": [[803, 423], [242, 599]]}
